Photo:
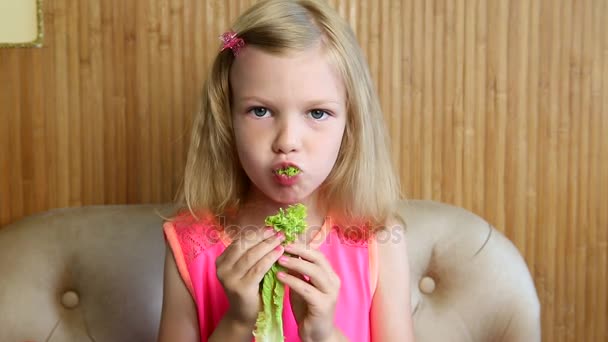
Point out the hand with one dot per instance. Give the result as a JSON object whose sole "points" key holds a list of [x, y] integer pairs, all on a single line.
{"points": [[314, 288], [241, 268]]}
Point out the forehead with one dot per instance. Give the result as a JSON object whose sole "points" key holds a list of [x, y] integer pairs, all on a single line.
{"points": [[294, 76]]}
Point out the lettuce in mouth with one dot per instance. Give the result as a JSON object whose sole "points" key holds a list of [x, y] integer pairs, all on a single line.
{"points": [[288, 171], [269, 323]]}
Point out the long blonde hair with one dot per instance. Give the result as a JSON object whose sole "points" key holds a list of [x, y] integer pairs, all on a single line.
{"points": [[362, 184]]}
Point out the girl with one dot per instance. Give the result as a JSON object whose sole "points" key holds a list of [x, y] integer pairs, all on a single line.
{"points": [[289, 90]]}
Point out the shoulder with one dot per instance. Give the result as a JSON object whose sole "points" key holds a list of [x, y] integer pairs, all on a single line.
{"points": [[188, 228], [188, 236], [391, 245]]}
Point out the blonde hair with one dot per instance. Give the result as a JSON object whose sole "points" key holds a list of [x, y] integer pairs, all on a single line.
{"points": [[362, 185]]}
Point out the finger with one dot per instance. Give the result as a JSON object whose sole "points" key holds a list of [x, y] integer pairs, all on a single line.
{"points": [[310, 254], [256, 273], [307, 291], [243, 242], [251, 235], [308, 271], [253, 255]]}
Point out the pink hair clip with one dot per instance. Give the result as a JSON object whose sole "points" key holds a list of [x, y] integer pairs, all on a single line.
{"points": [[231, 41]]}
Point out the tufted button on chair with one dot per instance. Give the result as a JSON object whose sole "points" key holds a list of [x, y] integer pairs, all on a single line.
{"points": [[82, 274], [95, 274], [468, 281]]}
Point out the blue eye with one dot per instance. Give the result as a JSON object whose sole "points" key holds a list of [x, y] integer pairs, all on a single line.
{"points": [[259, 111], [318, 114]]}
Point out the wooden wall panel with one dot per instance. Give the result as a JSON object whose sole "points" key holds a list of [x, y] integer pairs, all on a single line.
{"points": [[497, 106]]}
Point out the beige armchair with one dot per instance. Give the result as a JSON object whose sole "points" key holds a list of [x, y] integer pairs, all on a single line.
{"points": [[95, 274]]}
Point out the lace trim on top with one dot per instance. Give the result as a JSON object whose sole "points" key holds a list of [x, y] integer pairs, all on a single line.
{"points": [[197, 236]]}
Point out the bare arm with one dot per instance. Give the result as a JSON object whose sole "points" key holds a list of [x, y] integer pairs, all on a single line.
{"points": [[178, 320], [230, 330], [391, 308]]}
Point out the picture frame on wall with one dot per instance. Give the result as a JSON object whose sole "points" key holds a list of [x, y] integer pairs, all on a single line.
{"points": [[21, 23]]}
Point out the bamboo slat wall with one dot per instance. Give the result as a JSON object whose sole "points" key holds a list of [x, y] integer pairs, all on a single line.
{"points": [[497, 106]]}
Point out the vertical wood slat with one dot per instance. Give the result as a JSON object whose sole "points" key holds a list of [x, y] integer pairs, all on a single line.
{"points": [[26, 138], [516, 139], [455, 194], [428, 149], [177, 134], [469, 128], [142, 96], [129, 11], [396, 80], [500, 107], [490, 116], [599, 122], [119, 103], [49, 129], [532, 114], [577, 116], [406, 98], [5, 162], [111, 113], [164, 151], [61, 191], [154, 72], [440, 83], [566, 287], [587, 167], [74, 105], [548, 170], [96, 121], [481, 60], [414, 119]]}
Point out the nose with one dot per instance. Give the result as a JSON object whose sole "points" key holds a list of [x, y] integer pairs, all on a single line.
{"points": [[287, 138]]}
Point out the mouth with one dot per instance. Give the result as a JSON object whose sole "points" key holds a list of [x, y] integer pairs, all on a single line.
{"points": [[287, 170], [287, 174]]}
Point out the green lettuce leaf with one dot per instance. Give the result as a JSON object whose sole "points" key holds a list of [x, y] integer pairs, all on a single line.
{"points": [[289, 171], [269, 323]]}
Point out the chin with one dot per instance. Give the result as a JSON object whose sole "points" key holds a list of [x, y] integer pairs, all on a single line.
{"points": [[287, 196], [287, 200]]}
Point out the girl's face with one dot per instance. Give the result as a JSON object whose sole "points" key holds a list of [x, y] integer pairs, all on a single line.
{"points": [[287, 110]]}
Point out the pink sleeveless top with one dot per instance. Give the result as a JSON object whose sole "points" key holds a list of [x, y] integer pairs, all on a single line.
{"points": [[197, 244]]}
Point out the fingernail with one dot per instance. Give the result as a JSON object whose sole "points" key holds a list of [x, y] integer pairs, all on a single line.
{"points": [[283, 260], [279, 248], [281, 275], [281, 236]]}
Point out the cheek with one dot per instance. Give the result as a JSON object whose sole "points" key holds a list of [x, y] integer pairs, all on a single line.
{"points": [[243, 132], [249, 142], [241, 140], [245, 149], [330, 147]]}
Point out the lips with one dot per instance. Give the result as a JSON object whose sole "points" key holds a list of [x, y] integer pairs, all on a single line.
{"points": [[284, 179]]}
